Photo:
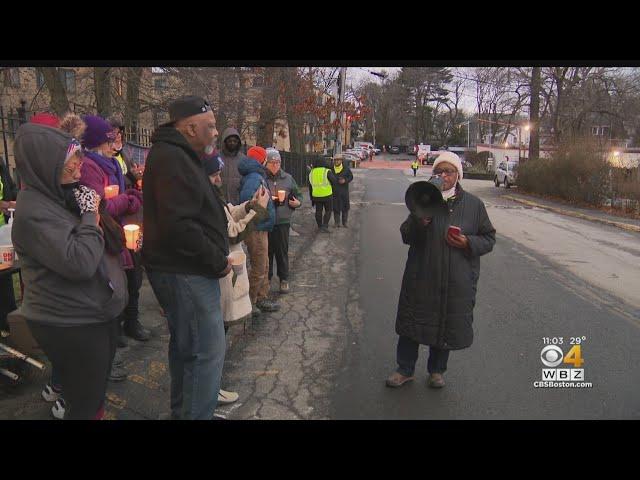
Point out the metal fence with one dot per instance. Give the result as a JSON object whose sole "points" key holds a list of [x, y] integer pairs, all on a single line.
{"points": [[295, 164]]}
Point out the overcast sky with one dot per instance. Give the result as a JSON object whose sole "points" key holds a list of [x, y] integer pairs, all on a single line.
{"points": [[356, 74]]}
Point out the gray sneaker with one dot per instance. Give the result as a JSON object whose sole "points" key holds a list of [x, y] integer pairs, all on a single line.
{"points": [[268, 305], [284, 286]]}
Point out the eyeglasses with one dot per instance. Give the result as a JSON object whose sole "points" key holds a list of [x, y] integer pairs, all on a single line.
{"points": [[447, 172]]}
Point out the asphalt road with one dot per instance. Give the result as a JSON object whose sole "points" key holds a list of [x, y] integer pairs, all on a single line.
{"points": [[543, 279]]}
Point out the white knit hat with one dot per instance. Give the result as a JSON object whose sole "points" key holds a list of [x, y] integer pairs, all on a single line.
{"points": [[453, 159]]}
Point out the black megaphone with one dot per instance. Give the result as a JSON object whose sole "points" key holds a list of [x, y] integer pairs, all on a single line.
{"points": [[424, 199]]}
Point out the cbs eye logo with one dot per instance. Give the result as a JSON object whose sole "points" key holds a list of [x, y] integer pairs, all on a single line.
{"points": [[552, 356]]}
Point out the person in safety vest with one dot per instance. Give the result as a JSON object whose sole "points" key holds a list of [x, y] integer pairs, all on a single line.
{"points": [[321, 179], [414, 166]]}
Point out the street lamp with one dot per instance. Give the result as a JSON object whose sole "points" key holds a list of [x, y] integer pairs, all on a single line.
{"points": [[616, 154]]}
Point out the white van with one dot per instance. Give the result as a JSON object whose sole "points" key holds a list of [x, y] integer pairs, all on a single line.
{"points": [[367, 145]]}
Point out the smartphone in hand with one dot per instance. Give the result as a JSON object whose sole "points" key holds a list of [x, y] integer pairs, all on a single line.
{"points": [[455, 231]]}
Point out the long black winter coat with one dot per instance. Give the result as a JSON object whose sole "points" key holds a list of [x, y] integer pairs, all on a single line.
{"points": [[341, 191], [440, 282]]}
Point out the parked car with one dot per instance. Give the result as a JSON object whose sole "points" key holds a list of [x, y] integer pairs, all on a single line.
{"points": [[351, 159], [506, 173], [360, 152], [376, 151], [430, 157], [395, 149]]}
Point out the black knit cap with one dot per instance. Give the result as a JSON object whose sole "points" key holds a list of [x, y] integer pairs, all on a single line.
{"points": [[211, 164], [188, 106]]}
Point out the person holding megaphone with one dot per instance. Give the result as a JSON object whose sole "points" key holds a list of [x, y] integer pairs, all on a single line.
{"points": [[447, 231]]}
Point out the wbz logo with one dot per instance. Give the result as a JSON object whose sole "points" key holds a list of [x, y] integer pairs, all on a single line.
{"points": [[560, 374]]}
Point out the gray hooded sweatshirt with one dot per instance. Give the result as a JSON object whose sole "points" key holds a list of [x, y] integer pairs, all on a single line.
{"points": [[70, 280], [230, 175]]}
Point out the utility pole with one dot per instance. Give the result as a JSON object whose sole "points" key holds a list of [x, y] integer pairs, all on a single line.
{"points": [[341, 86], [534, 114]]}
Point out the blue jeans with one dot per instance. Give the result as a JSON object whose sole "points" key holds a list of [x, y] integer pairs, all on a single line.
{"points": [[407, 355], [197, 341]]}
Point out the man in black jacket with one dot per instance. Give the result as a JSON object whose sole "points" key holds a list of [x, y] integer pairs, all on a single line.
{"points": [[185, 252]]}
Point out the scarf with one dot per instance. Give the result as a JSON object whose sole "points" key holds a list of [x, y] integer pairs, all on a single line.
{"points": [[110, 167], [448, 194], [338, 169]]}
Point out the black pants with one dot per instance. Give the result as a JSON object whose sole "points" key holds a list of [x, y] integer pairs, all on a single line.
{"points": [[341, 205], [327, 205], [407, 355], [279, 248], [134, 282], [7, 300], [345, 217], [415, 170], [82, 357]]}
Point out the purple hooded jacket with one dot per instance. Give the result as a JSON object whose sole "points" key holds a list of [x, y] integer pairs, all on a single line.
{"points": [[126, 203]]}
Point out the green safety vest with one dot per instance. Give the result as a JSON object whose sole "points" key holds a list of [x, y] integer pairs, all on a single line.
{"points": [[319, 180], [123, 166], [414, 165]]}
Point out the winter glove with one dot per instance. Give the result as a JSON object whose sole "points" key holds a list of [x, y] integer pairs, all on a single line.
{"points": [[134, 204], [133, 191], [87, 198]]}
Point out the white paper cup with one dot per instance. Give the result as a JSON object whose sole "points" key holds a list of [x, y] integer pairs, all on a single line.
{"points": [[7, 256], [282, 195], [237, 261]]}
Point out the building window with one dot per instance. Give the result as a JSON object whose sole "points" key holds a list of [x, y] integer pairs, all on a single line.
{"points": [[12, 77], [68, 78], [595, 130], [39, 79], [258, 81], [119, 86], [160, 83]]}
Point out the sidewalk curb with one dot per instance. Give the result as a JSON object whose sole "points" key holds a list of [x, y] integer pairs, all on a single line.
{"points": [[624, 226]]}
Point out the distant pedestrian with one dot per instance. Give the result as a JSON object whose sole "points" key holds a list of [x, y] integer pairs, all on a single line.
{"points": [[441, 274], [321, 179], [414, 166], [341, 202]]}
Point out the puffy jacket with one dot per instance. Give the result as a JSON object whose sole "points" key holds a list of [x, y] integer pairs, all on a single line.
{"points": [[254, 175], [69, 277]]}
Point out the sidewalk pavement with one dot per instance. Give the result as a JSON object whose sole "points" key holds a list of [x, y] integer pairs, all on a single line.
{"points": [[279, 363], [628, 224]]}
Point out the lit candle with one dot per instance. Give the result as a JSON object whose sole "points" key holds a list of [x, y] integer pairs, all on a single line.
{"points": [[132, 233], [111, 191]]}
